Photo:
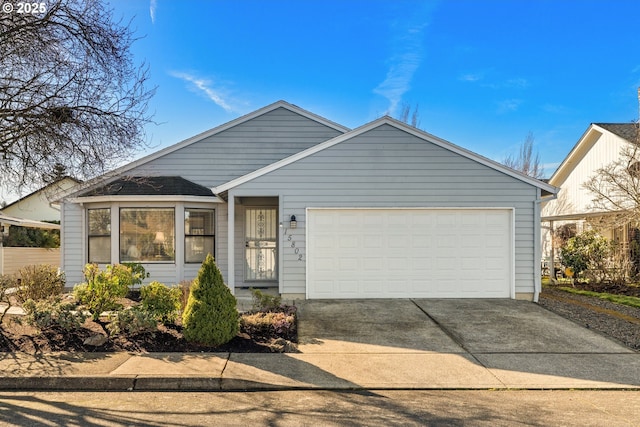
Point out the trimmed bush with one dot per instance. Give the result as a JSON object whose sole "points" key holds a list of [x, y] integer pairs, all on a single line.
{"points": [[211, 316], [161, 301], [39, 282], [102, 289]]}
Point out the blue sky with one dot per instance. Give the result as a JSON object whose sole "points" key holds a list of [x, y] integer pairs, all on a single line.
{"points": [[483, 73]]}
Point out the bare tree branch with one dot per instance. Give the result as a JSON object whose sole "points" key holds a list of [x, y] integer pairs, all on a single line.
{"points": [[615, 187], [526, 161], [70, 93]]}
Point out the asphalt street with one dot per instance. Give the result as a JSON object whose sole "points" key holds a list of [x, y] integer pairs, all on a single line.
{"points": [[326, 408]]}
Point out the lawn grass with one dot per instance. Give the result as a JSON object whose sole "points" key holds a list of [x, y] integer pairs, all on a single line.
{"points": [[618, 299]]}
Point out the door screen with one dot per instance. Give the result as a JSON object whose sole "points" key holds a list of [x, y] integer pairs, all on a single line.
{"points": [[261, 234]]}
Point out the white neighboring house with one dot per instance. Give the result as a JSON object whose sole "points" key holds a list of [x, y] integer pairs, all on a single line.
{"points": [[37, 206], [599, 146], [32, 211]]}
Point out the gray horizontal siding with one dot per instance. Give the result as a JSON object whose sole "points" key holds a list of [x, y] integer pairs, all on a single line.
{"points": [[387, 167], [72, 258], [241, 149]]}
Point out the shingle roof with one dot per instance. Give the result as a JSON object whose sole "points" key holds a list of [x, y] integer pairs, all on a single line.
{"points": [[150, 186], [628, 131]]}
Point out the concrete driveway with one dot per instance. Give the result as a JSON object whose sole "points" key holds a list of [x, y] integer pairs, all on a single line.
{"points": [[463, 343]]}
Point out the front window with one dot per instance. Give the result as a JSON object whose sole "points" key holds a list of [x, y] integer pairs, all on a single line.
{"points": [[147, 235], [199, 234], [99, 235]]}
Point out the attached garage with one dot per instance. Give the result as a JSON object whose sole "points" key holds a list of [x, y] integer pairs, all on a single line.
{"points": [[410, 253], [389, 211]]}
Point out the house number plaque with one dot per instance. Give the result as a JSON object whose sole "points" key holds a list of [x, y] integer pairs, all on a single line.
{"points": [[290, 243]]}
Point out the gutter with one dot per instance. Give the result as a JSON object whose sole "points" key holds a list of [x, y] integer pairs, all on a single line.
{"points": [[537, 276]]}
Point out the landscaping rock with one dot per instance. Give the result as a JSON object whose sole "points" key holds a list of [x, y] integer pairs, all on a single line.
{"points": [[97, 340]]}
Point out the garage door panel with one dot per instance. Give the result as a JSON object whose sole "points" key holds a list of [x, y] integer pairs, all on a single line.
{"points": [[430, 253]]}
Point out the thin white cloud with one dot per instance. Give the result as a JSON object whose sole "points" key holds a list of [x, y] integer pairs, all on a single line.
{"points": [[152, 10], [471, 77], [403, 65], [205, 86], [508, 105]]}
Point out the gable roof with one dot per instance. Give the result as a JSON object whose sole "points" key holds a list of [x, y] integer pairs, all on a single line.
{"points": [[119, 172], [399, 125], [626, 131], [150, 186], [232, 123], [42, 190]]}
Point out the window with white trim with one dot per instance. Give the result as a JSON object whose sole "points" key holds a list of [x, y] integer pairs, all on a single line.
{"points": [[199, 234], [147, 235], [99, 221]]}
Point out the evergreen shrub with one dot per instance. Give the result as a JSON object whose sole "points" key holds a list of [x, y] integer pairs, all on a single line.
{"points": [[211, 316]]}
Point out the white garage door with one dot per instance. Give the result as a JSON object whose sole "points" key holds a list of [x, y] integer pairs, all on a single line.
{"points": [[409, 253]]}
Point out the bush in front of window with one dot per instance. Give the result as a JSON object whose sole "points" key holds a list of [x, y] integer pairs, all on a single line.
{"points": [[211, 316], [103, 288], [161, 301]]}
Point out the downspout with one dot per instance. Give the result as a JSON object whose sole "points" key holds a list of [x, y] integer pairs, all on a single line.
{"points": [[537, 236]]}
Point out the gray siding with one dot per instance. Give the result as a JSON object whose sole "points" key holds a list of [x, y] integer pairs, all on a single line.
{"points": [[212, 161], [241, 149], [72, 245], [387, 167]]}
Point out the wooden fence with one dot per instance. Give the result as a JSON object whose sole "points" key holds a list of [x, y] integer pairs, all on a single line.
{"points": [[12, 259]]}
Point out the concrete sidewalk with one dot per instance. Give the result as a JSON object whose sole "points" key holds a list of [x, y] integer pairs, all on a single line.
{"points": [[351, 345]]}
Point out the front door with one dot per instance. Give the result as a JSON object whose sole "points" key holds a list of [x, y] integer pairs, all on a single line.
{"points": [[261, 236]]}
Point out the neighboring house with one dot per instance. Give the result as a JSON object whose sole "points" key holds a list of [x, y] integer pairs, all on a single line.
{"points": [[37, 205], [571, 211], [32, 211], [284, 198]]}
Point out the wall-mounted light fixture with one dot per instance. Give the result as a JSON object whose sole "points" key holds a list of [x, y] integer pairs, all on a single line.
{"points": [[292, 222]]}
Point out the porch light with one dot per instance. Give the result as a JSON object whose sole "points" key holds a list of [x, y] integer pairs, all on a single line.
{"points": [[293, 223]]}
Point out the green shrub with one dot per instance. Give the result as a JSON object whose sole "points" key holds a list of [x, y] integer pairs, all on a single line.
{"points": [[594, 257], [265, 302], [138, 273], [45, 314], [161, 301], [102, 289], [211, 316], [132, 321], [39, 282]]}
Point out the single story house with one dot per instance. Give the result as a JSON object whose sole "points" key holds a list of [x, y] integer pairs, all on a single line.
{"points": [[285, 198], [602, 144]]}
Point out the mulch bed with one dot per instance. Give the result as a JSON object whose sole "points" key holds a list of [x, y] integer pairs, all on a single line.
{"points": [[20, 337]]}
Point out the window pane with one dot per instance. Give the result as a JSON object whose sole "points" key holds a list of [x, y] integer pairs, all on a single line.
{"points": [[147, 235], [99, 235], [100, 249], [198, 222], [196, 248], [99, 222]]}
